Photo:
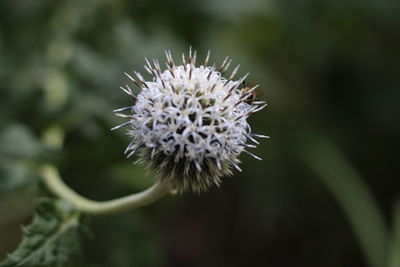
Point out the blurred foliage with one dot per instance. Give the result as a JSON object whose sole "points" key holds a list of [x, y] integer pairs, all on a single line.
{"points": [[17, 147], [326, 65]]}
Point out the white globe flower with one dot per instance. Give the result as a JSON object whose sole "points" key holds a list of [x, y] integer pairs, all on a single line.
{"points": [[189, 123]]}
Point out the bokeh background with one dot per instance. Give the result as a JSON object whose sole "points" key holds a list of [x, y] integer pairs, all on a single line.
{"points": [[324, 194]]}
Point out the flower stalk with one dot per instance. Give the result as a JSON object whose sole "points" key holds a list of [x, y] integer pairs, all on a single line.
{"points": [[53, 137], [51, 177]]}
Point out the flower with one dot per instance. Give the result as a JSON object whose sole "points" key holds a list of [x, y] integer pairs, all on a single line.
{"points": [[189, 123]]}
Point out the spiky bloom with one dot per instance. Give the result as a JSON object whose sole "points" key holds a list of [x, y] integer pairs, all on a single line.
{"points": [[189, 123]]}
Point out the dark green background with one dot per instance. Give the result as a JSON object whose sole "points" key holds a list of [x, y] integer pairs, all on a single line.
{"points": [[327, 68]]}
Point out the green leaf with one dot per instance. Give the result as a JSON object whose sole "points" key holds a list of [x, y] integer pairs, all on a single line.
{"points": [[52, 237]]}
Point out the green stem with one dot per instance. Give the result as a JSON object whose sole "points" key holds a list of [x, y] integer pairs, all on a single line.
{"points": [[52, 179], [352, 194], [53, 137]]}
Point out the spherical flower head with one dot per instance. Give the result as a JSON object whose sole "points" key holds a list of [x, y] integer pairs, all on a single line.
{"points": [[189, 123]]}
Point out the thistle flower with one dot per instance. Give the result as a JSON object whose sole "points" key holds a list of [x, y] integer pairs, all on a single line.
{"points": [[189, 123]]}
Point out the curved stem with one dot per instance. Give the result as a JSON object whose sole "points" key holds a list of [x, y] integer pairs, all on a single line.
{"points": [[351, 192], [394, 247], [52, 179]]}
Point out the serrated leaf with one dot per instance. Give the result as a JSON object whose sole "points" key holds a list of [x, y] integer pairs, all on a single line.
{"points": [[51, 239]]}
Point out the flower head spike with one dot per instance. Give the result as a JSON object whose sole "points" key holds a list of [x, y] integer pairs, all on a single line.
{"points": [[189, 123]]}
